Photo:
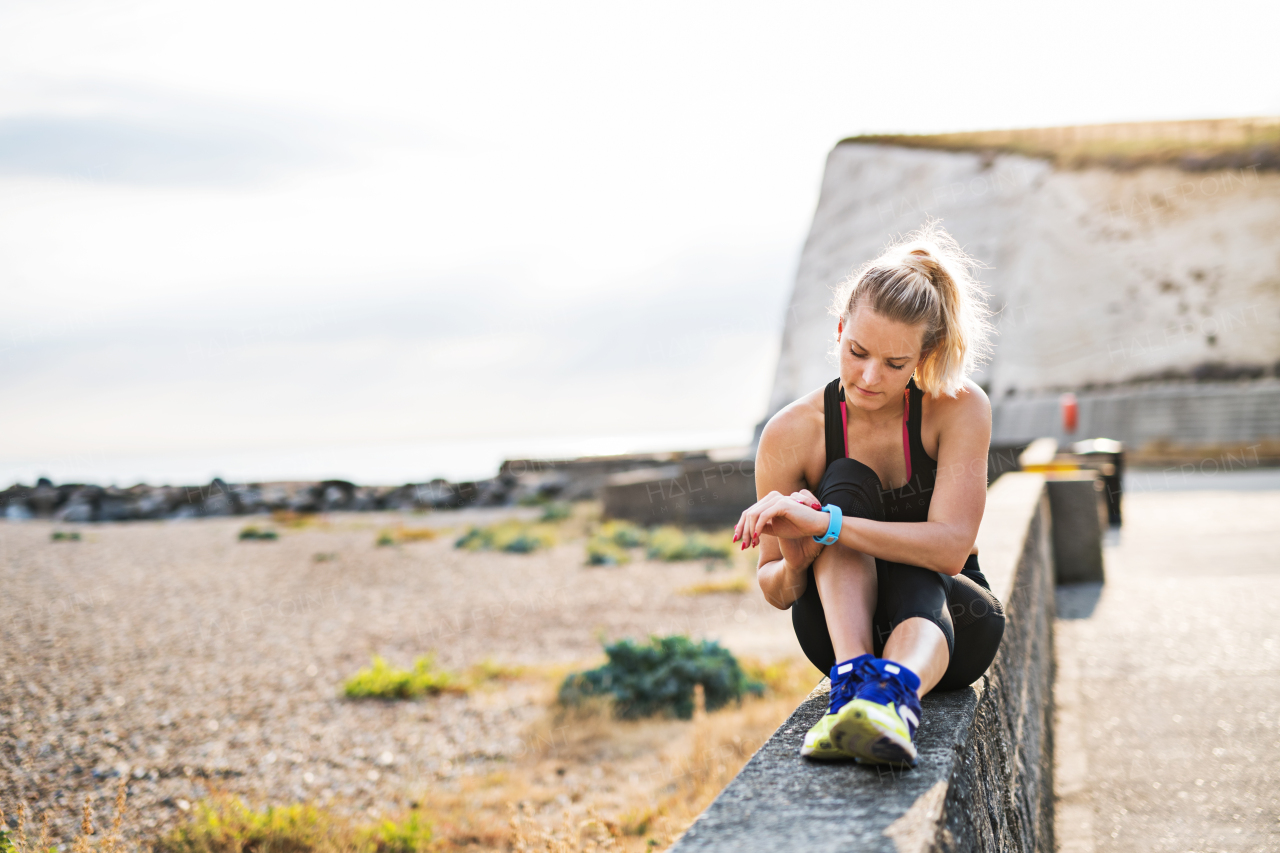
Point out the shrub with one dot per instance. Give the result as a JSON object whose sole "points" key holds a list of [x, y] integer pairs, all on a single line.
{"points": [[512, 536], [658, 678], [673, 544], [253, 533], [385, 539], [556, 511], [383, 681], [624, 534], [608, 545], [229, 826], [64, 536], [603, 552]]}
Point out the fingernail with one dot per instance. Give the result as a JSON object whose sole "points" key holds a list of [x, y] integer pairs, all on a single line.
{"points": [[816, 506]]}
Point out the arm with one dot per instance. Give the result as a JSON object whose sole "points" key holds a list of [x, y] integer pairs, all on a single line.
{"points": [[942, 543], [781, 571]]}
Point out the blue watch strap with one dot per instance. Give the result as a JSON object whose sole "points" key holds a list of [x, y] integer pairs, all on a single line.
{"points": [[836, 519]]}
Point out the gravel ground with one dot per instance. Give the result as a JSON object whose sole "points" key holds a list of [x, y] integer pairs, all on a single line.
{"points": [[172, 652]]}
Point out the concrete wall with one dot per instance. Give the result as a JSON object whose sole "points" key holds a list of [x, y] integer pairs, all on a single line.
{"points": [[1192, 415], [1102, 276], [985, 776], [701, 493]]}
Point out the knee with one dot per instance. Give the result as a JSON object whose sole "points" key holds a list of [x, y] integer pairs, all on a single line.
{"points": [[854, 487], [845, 558]]}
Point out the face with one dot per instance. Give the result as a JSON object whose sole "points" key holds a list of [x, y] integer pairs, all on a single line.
{"points": [[877, 358]]}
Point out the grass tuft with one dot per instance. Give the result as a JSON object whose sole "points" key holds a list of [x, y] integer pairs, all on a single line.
{"points": [[18, 840], [383, 681], [514, 537], [673, 545], [254, 533], [736, 584], [64, 536], [226, 825]]}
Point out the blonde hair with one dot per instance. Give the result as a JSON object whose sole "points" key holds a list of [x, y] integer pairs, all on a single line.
{"points": [[927, 278]]}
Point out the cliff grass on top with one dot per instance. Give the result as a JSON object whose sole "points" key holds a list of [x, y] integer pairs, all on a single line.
{"points": [[1191, 145], [227, 825]]}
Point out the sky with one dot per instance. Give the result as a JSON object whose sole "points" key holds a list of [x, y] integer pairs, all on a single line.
{"points": [[389, 241]]}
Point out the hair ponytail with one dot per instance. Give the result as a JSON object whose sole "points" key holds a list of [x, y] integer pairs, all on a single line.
{"points": [[927, 278]]}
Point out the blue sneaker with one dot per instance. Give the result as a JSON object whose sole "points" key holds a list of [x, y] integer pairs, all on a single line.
{"points": [[845, 679], [878, 726]]}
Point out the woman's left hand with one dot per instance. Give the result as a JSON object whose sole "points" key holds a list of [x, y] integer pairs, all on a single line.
{"points": [[787, 517]]}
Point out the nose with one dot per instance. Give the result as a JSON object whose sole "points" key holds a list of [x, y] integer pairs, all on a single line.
{"points": [[870, 377]]}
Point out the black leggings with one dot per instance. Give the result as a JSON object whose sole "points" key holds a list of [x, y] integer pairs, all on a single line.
{"points": [[962, 606]]}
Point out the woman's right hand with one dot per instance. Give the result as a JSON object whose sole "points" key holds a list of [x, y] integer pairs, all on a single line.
{"points": [[787, 518], [803, 551]]}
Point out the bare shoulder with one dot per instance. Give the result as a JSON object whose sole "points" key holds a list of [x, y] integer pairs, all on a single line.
{"points": [[800, 421], [968, 410], [790, 437]]}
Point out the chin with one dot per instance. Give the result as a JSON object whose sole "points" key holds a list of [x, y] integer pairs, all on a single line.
{"points": [[858, 400]]}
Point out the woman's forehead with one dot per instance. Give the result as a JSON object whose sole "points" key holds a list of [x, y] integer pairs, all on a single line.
{"points": [[874, 331]]}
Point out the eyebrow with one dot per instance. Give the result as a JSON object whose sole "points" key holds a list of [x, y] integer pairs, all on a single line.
{"points": [[887, 358]]}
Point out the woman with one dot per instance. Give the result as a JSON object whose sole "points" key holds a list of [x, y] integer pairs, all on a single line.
{"points": [[870, 495]]}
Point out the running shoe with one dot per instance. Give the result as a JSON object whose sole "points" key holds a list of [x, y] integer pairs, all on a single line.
{"points": [[878, 725], [845, 678]]}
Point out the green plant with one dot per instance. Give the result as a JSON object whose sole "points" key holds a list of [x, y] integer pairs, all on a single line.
{"points": [[64, 536], [252, 533], [556, 511], [229, 826], [673, 544], [383, 681], [385, 539], [659, 677], [603, 552], [624, 534], [512, 536]]}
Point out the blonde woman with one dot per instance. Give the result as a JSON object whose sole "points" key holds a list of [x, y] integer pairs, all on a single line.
{"points": [[870, 495]]}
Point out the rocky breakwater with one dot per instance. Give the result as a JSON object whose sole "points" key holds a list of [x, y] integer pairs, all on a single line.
{"points": [[78, 502], [517, 481]]}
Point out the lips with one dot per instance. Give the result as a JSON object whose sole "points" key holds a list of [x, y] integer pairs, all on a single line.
{"points": [[865, 393]]}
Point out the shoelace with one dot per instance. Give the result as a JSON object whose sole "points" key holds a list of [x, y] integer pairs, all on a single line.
{"points": [[844, 687], [843, 691], [880, 686]]}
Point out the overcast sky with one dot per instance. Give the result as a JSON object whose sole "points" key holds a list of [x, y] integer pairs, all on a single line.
{"points": [[249, 231]]}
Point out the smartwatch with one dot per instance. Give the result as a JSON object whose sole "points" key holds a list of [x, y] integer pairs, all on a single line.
{"points": [[836, 519]]}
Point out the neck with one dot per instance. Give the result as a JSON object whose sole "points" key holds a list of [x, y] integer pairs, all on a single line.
{"points": [[890, 413]]}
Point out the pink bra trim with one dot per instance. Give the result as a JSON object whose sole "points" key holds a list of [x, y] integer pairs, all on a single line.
{"points": [[906, 440]]}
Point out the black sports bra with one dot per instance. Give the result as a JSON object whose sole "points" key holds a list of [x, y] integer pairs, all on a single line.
{"points": [[911, 502]]}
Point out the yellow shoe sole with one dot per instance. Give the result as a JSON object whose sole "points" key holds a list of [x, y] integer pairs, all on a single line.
{"points": [[873, 733], [819, 745]]}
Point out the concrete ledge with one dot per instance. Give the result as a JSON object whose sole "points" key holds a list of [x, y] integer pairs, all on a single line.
{"points": [[984, 781], [1079, 512]]}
